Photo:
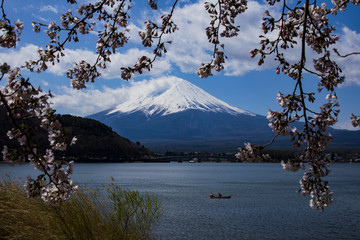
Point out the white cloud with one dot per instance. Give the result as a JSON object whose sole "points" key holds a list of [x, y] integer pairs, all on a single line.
{"points": [[17, 58], [90, 101], [48, 8], [349, 41], [190, 45], [151, 86], [129, 58], [189, 49], [238, 48], [345, 125], [87, 101], [134, 33]]}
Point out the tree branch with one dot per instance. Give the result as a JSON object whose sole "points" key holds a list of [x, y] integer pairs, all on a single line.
{"points": [[346, 55]]}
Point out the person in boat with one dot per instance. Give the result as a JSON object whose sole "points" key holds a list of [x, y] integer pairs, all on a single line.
{"points": [[211, 195], [219, 195]]}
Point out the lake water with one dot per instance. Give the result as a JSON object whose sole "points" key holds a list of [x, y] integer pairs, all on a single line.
{"points": [[264, 203]]}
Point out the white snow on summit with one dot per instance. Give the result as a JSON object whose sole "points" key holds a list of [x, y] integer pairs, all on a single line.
{"points": [[171, 95]]}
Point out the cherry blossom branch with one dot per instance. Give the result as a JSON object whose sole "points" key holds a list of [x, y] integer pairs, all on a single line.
{"points": [[23, 103], [9, 34], [346, 55], [84, 72], [152, 32], [223, 14], [3, 11], [111, 37], [355, 120], [310, 24], [302, 64]]}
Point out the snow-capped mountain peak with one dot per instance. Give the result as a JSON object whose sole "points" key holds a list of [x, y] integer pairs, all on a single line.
{"points": [[170, 95]]}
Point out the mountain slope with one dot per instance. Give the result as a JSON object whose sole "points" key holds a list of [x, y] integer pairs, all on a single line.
{"points": [[177, 96], [96, 141]]}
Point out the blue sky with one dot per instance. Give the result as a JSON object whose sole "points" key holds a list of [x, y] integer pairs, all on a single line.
{"points": [[242, 84]]}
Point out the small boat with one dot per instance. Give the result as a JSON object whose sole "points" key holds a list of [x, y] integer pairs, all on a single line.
{"points": [[225, 197], [219, 196]]}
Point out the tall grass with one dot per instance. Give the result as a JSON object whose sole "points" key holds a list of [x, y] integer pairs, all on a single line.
{"points": [[118, 214]]}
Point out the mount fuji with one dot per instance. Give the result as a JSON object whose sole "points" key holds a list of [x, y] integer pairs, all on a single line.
{"points": [[175, 95], [172, 114]]}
